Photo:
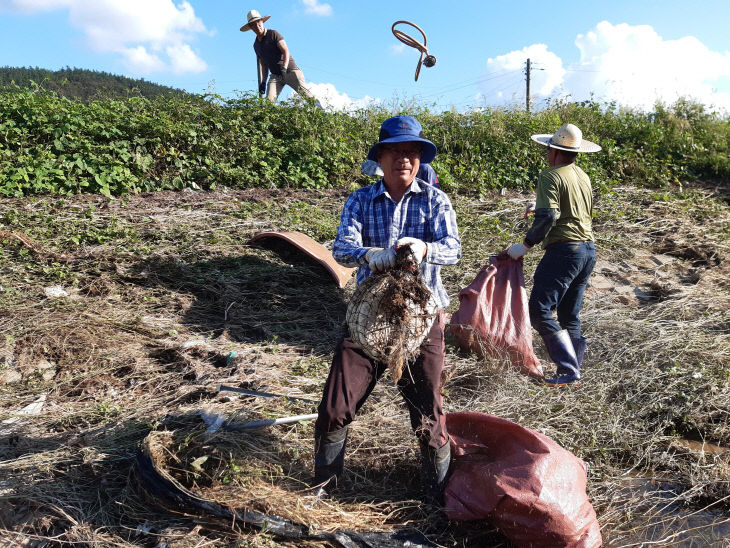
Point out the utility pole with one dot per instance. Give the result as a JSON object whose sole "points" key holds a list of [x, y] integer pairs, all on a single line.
{"points": [[527, 85]]}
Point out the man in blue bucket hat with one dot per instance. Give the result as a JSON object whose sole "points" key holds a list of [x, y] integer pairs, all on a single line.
{"points": [[396, 211]]}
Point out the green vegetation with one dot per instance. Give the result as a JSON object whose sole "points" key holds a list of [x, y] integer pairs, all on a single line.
{"points": [[164, 298], [50, 144]]}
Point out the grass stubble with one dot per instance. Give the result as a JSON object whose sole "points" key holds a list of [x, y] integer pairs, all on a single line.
{"points": [[166, 301]]}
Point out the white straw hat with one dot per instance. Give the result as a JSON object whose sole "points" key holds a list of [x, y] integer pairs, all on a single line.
{"points": [[252, 17], [569, 137]]}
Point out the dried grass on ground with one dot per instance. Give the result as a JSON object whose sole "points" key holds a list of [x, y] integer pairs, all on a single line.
{"points": [[166, 301]]}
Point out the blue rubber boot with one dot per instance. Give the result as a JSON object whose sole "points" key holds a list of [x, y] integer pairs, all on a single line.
{"points": [[561, 351], [579, 345]]}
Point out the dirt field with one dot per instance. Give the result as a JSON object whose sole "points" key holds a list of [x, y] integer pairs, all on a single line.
{"points": [[120, 319]]}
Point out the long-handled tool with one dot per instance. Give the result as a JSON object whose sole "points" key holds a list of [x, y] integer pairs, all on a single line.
{"points": [[269, 422], [265, 422], [225, 388]]}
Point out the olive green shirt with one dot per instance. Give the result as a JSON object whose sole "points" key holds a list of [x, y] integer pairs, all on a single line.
{"points": [[568, 189]]}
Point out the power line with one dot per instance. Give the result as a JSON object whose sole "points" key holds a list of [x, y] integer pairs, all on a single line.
{"points": [[308, 67], [471, 83], [471, 99], [489, 77], [508, 84], [468, 81]]}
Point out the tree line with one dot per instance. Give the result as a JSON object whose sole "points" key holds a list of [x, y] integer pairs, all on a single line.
{"points": [[83, 84]]}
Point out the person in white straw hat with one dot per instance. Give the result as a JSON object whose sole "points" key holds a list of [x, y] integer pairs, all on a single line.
{"points": [[563, 211], [272, 56]]}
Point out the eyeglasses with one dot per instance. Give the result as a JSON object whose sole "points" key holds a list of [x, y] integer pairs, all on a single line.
{"points": [[410, 152]]}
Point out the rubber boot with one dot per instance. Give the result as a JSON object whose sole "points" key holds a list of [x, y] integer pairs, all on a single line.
{"points": [[561, 351], [329, 459], [434, 471], [579, 345]]}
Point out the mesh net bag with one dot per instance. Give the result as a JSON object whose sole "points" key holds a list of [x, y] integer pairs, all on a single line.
{"points": [[391, 312]]}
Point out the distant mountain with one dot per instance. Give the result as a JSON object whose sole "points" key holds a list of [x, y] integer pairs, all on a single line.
{"points": [[82, 84]]}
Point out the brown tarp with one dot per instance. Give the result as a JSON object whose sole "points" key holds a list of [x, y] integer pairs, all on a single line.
{"points": [[521, 481], [493, 320], [312, 249]]}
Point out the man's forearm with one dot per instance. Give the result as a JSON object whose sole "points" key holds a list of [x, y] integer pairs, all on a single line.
{"points": [[349, 253], [446, 246], [284, 54], [444, 251], [544, 220]]}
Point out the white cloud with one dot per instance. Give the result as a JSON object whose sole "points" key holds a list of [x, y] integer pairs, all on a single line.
{"points": [[398, 49], [331, 99], [150, 35], [183, 59], [635, 66], [31, 6], [142, 59], [504, 79], [313, 7], [631, 65]]}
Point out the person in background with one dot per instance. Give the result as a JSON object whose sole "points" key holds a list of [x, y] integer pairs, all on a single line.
{"points": [[425, 172], [563, 210], [398, 210], [272, 56]]}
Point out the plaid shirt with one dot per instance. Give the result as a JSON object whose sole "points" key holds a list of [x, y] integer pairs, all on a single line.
{"points": [[371, 218]]}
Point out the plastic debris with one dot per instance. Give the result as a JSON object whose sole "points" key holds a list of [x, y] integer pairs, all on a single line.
{"points": [[34, 408], [55, 292]]}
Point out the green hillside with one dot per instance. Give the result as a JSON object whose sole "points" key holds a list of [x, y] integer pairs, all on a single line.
{"points": [[82, 84]]}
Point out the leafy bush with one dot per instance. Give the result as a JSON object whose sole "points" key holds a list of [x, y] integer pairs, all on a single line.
{"points": [[50, 144]]}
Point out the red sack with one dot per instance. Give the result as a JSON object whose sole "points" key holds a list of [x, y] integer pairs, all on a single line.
{"points": [[493, 319], [524, 483]]}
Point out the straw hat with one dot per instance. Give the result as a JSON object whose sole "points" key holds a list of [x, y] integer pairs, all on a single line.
{"points": [[252, 17], [568, 137]]}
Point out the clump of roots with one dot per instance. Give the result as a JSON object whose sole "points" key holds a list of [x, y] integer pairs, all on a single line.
{"points": [[393, 307]]}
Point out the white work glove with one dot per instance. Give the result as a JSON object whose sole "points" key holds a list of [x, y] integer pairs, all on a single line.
{"points": [[379, 259], [516, 251], [529, 208], [417, 246]]}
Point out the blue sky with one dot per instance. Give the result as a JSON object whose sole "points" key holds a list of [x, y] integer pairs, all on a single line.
{"points": [[633, 52]]}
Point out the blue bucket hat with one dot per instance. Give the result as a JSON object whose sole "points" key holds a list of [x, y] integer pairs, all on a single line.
{"points": [[403, 129]]}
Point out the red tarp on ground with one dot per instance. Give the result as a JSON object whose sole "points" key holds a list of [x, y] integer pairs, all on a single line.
{"points": [[521, 481], [493, 319]]}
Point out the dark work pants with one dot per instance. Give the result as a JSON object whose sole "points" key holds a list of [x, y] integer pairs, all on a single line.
{"points": [[559, 284], [353, 375]]}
